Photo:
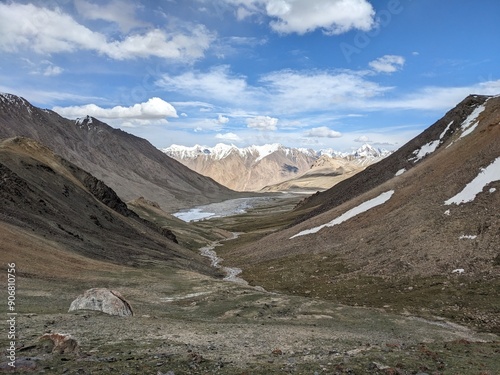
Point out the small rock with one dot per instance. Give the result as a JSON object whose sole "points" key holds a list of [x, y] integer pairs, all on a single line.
{"points": [[59, 343], [277, 352]]}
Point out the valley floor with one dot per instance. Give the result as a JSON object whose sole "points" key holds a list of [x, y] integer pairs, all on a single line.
{"points": [[186, 323]]}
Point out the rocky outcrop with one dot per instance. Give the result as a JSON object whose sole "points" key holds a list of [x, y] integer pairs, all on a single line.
{"points": [[101, 299]]}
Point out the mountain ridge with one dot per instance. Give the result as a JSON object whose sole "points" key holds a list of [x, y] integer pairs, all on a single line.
{"points": [[47, 198], [129, 164], [269, 166]]}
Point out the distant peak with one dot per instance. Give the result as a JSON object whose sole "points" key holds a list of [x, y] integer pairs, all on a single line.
{"points": [[15, 101]]}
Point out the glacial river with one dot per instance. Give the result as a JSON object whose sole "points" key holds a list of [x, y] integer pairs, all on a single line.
{"points": [[221, 209]]}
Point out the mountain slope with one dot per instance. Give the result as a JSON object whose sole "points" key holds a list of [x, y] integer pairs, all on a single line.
{"points": [[385, 227], [404, 159], [49, 201], [324, 173], [128, 164]]}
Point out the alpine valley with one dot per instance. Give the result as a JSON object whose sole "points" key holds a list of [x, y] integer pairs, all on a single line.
{"points": [[363, 263]]}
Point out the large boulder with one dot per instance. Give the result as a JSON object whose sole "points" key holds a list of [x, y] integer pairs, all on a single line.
{"points": [[101, 299]]}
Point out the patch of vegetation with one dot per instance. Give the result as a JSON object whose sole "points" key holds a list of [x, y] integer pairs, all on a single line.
{"points": [[472, 301]]}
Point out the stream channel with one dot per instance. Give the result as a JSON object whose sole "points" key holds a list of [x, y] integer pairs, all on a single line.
{"points": [[231, 272]]}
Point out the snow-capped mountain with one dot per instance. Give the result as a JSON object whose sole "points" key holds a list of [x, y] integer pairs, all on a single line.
{"points": [[221, 151], [254, 167], [245, 169], [368, 151]]}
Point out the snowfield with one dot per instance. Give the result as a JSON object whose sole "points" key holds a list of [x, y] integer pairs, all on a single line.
{"points": [[363, 207], [487, 175]]}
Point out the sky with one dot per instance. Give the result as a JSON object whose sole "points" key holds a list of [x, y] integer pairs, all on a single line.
{"points": [[304, 73]]}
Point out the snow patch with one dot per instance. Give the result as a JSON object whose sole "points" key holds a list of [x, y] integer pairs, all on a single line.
{"points": [[492, 190], [471, 122], [400, 172], [447, 213], [459, 271], [486, 175], [363, 207], [467, 237], [430, 147], [426, 149]]}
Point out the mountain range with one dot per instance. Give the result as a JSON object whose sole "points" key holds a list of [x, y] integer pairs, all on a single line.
{"points": [[128, 164], [267, 167]]}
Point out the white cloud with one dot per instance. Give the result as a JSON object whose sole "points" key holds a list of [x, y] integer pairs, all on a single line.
{"points": [[47, 31], [52, 70], [44, 67], [120, 12], [362, 139], [293, 91], [262, 123], [217, 84], [221, 120], [300, 16], [387, 64], [323, 132], [433, 98], [228, 137], [153, 109], [158, 43]]}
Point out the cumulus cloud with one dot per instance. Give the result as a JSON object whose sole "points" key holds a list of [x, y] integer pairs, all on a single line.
{"points": [[153, 109], [228, 137], [323, 132], [300, 16], [262, 123], [47, 31], [387, 64]]}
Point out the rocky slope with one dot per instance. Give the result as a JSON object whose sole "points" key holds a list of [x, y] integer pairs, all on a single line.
{"points": [[57, 216], [128, 164], [271, 166], [430, 210]]}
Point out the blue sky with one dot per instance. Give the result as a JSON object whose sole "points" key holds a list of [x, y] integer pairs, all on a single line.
{"points": [[304, 73]]}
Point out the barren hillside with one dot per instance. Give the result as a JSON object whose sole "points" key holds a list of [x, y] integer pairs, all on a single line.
{"points": [[128, 164], [55, 214], [430, 210]]}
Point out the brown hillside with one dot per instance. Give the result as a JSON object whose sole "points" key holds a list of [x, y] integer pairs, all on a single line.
{"points": [[386, 169], [375, 256], [73, 217]]}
